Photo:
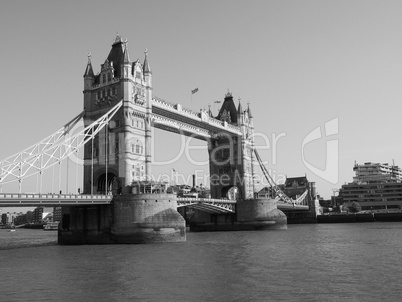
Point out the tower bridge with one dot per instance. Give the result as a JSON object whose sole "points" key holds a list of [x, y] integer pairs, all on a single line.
{"points": [[119, 112]]}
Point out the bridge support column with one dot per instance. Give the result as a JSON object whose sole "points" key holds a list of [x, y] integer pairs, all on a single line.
{"points": [[251, 214], [131, 218], [260, 214], [147, 218]]}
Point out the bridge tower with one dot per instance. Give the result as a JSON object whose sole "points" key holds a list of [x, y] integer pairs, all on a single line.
{"points": [[231, 157], [120, 154]]}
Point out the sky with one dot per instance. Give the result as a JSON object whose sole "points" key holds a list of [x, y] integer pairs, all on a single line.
{"points": [[322, 78]]}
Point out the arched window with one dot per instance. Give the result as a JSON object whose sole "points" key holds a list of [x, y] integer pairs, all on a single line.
{"points": [[109, 77], [104, 78]]}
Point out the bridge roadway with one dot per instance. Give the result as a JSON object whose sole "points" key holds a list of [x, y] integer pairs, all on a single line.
{"points": [[210, 205], [51, 200]]}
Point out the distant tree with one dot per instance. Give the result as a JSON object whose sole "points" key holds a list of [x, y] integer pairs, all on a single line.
{"points": [[355, 207]]}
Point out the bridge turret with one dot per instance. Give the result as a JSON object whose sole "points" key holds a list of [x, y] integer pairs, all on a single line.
{"points": [[250, 116], [89, 75], [128, 137], [147, 73], [126, 66], [89, 79], [147, 70], [251, 139], [240, 113]]}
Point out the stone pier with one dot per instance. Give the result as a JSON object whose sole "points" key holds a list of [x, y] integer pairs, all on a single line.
{"points": [[131, 218], [252, 214]]}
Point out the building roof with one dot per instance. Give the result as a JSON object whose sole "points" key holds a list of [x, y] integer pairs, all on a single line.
{"points": [[116, 55], [228, 108], [298, 181]]}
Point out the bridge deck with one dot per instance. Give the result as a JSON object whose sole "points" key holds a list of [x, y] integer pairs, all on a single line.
{"points": [[35, 200]]}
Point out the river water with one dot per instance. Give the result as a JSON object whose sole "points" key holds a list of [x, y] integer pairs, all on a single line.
{"points": [[318, 262]]}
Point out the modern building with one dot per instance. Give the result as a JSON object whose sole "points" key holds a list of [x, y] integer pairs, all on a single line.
{"points": [[57, 214], [37, 215], [375, 187]]}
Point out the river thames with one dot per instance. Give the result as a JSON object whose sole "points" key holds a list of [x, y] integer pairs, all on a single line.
{"points": [[317, 262]]}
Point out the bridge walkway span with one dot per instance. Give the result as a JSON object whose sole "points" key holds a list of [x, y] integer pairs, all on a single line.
{"points": [[52, 200]]}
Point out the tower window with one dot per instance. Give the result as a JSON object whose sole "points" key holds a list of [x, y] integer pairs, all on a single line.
{"points": [[104, 78], [109, 77]]}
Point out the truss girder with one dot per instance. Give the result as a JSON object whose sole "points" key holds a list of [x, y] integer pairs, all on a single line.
{"points": [[45, 155]]}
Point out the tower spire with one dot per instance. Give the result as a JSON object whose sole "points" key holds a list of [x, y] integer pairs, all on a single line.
{"points": [[126, 56], [239, 108], [249, 111], [89, 72], [147, 69]]}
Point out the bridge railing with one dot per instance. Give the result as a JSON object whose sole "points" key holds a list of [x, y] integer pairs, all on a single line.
{"points": [[35, 200], [51, 196]]}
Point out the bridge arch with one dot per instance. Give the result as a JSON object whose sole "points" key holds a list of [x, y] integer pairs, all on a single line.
{"points": [[113, 183]]}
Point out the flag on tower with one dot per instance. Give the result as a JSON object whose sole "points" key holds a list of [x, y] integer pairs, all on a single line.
{"points": [[194, 91]]}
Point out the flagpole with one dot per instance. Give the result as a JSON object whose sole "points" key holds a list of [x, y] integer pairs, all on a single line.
{"points": [[192, 92]]}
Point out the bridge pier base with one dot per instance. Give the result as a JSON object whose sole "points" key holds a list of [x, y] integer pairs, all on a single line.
{"points": [[131, 218], [260, 214], [251, 214], [147, 218]]}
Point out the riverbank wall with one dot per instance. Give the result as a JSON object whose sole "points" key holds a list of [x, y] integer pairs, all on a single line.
{"points": [[359, 217]]}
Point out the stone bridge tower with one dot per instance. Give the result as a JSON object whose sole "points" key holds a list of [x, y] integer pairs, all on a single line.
{"points": [[120, 154], [231, 157]]}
